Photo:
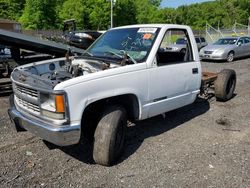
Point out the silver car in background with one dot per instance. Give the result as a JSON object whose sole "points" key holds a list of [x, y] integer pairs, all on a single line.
{"points": [[227, 49], [181, 44]]}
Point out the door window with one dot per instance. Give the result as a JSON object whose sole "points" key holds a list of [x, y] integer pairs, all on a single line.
{"points": [[247, 40], [240, 41], [175, 48]]}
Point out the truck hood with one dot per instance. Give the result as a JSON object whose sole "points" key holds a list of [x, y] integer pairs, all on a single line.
{"points": [[47, 74]]}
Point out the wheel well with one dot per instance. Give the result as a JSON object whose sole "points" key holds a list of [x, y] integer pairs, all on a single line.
{"points": [[231, 51], [93, 111]]}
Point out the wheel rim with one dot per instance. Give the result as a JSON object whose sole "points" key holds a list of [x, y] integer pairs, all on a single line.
{"points": [[230, 57]]}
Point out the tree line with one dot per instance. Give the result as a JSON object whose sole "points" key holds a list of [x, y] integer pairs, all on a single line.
{"points": [[95, 14]]}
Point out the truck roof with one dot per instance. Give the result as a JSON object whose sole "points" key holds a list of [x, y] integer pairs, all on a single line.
{"points": [[152, 25]]}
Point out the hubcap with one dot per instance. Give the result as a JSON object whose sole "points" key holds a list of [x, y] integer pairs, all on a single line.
{"points": [[230, 57]]}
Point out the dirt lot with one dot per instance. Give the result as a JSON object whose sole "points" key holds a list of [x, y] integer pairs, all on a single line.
{"points": [[206, 144]]}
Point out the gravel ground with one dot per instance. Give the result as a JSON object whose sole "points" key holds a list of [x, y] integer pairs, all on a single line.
{"points": [[206, 144]]}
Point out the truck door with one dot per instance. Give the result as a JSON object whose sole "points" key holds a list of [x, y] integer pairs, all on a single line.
{"points": [[175, 79]]}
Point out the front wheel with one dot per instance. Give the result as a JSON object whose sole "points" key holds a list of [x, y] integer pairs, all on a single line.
{"points": [[230, 57], [110, 135], [183, 51]]}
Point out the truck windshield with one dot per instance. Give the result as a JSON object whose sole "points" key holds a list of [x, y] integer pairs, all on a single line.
{"points": [[135, 42]]}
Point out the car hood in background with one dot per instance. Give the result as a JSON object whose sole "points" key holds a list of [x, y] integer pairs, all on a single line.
{"points": [[213, 47], [179, 46]]}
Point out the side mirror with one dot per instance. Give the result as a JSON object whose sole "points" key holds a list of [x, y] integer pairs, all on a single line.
{"points": [[239, 44]]}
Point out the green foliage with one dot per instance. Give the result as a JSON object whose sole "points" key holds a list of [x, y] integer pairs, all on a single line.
{"points": [[73, 9], [95, 14], [99, 16], [39, 14], [125, 9], [11, 9], [224, 12], [146, 11]]}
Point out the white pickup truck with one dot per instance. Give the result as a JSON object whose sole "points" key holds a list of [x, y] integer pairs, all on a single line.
{"points": [[126, 75]]}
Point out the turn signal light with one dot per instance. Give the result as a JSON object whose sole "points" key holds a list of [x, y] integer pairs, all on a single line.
{"points": [[60, 107]]}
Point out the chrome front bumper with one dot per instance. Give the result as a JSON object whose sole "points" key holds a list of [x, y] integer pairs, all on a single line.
{"points": [[63, 135], [213, 57]]}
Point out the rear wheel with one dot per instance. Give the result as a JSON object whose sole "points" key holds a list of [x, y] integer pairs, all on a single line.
{"points": [[225, 85], [110, 135], [230, 56]]}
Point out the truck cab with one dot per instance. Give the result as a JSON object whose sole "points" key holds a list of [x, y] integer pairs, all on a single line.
{"points": [[126, 74]]}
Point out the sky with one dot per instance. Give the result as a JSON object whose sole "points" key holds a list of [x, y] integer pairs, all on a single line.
{"points": [[176, 3]]}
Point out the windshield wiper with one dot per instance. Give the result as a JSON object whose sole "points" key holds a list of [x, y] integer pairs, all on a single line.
{"points": [[87, 53], [127, 56]]}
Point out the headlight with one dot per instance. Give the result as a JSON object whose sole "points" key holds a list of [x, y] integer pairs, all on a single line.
{"points": [[53, 105]]}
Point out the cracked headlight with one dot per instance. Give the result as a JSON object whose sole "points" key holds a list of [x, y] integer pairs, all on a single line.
{"points": [[53, 106]]}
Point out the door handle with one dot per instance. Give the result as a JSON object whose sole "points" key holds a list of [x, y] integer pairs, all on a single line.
{"points": [[195, 70]]}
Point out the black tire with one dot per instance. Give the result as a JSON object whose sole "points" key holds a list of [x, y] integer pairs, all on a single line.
{"points": [[230, 56], [183, 51], [225, 85], [110, 135]]}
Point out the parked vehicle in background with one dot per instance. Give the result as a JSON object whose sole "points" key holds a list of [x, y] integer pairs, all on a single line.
{"points": [[181, 44], [227, 49], [80, 39], [125, 75], [2, 47], [201, 42]]}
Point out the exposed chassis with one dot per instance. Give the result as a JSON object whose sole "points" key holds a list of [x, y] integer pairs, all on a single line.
{"points": [[221, 84], [209, 77]]}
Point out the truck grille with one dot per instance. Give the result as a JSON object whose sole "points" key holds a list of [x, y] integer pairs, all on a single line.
{"points": [[27, 105], [27, 99], [27, 91]]}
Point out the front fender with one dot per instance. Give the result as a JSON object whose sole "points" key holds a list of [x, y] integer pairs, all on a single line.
{"points": [[83, 93]]}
